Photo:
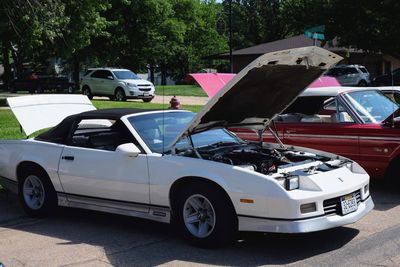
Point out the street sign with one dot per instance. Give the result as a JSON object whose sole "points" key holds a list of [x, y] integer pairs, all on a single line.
{"points": [[316, 33]]}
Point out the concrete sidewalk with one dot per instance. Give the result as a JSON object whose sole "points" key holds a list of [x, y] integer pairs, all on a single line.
{"points": [[185, 100]]}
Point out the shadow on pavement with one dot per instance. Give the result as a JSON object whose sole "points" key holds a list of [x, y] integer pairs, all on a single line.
{"points": [[385, 196], [128, 241]]}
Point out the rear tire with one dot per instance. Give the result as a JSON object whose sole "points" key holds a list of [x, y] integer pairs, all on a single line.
{"points": [[362, 83], [204, 215], [119, 95], [86, 91], [36, 193]]}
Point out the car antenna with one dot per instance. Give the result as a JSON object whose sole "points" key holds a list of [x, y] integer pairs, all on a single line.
{"points": [[163, 122]]}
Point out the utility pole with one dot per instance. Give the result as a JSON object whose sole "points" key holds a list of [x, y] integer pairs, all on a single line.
{"points": [[230, 36]]}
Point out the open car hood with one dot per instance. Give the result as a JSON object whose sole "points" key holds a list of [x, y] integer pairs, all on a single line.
{"points": [[37, 112], [262, 90]]}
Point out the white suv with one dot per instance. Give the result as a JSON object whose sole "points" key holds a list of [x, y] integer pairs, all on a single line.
{"points": [[350, 75], [118, 84]]}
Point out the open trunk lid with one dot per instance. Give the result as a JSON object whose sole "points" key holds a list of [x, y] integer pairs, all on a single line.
{"points": [[37, 112]]}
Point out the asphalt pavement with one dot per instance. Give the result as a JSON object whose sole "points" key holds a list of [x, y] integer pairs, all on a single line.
{"points": [[73, 237]]}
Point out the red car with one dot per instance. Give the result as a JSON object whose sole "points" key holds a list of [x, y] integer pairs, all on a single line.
{"points": [[360, 124]]}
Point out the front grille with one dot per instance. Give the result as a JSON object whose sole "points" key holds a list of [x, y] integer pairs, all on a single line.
{"points": [[333, 206], [144, 89], [144, 85]]}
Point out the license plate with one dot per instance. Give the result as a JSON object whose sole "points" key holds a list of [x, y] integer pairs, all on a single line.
{"points": [[146, 94], [349, 204]]}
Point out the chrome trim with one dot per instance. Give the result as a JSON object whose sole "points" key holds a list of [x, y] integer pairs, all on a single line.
{"points": [[343, 137], [379, 138], [322, 136], [155, 213], [342, 99]]}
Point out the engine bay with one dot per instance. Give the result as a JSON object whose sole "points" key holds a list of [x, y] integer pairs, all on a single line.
{"points": [[263, 160]]}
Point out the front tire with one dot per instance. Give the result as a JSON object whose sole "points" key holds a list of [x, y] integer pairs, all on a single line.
{"points": [[392, 175], [36, 193], [205, 216], [147, 100], [119, 95]]}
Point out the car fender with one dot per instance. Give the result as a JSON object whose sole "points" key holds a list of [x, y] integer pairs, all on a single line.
{"points": [[233, 179], [18, 151]]}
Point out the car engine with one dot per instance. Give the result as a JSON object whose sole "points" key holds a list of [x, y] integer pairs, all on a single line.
{"points": [[254, 157]]}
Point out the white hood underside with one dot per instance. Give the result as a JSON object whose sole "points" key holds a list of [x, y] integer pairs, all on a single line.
{"points": [[37, 112], [263, 89]]}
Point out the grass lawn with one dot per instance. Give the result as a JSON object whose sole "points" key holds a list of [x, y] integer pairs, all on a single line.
{"points": [[9, 127], [180, 90]]}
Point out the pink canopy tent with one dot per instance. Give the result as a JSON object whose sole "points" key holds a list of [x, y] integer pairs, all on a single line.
{"points": [[324, 81], [211, 83]]}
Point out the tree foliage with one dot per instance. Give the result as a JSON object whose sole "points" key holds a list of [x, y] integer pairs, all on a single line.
{"points": [[175, 35]]}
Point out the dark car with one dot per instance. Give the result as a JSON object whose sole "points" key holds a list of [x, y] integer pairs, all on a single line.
{"points": [[38, 83], [387, 79]]}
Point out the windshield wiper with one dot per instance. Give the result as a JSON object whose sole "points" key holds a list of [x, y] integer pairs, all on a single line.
{"points": [[223, 143]]}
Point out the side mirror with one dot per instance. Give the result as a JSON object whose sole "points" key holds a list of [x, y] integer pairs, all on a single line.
{"points": [[110, 77], [128, 149]]}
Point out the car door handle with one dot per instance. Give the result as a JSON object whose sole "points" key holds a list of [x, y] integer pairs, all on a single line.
{"points": [[291, 131], [68, 157]]}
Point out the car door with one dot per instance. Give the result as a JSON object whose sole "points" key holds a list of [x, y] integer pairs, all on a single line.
{"points": [[324, 131], [107, 87], [379, 144], [96, 80], [90, 168]]}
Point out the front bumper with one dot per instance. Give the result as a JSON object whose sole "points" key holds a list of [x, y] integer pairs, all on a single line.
{"points": [[257, 224]]}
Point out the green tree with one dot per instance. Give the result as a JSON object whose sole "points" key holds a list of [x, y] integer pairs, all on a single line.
{"points": [[255, 21]]}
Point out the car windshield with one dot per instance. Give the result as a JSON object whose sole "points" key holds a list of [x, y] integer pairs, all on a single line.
{"points": [[372, 106], [158, 130], [125, 75]]}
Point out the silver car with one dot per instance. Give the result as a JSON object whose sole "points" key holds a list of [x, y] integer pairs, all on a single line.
{"points": [[350, 75], [117, 84]]}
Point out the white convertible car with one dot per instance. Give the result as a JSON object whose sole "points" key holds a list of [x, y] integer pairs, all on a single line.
{"points": [[184, 168]]}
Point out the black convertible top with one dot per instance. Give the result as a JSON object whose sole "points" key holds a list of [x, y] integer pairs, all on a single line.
{"points": [[59, 133], [110, 113]]}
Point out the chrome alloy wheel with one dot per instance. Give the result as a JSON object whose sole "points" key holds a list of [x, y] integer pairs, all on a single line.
{"points": [[33, 191], [199, 216]]}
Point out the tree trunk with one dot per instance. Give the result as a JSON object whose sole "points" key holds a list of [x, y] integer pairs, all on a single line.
{"points": [[6, 64], [76, 69], [18, 62], [163, 75], [152, 73]]}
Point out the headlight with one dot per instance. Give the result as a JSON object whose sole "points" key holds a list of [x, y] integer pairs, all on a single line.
{"points": [[355, 167], [132, 85], [290, 182]]}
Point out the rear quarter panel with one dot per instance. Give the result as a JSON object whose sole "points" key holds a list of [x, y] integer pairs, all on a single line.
{"points": [[14, 152]]}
